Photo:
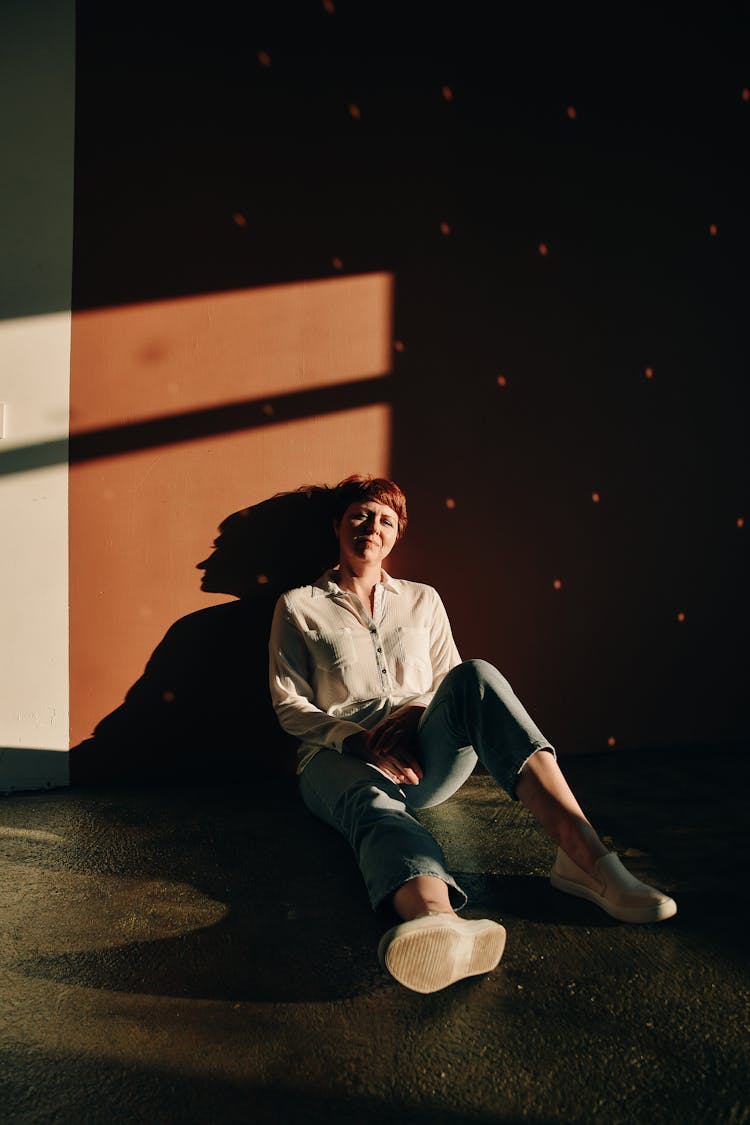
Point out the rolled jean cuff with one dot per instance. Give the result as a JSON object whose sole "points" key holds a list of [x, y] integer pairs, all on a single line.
{"points": [[513, 781], [457, 895]]}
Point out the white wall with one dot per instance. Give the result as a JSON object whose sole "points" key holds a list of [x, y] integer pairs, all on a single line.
{"points": [[37, 56]]}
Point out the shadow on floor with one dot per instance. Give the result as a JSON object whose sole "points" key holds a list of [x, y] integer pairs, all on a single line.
{"points": [[202, 953]]}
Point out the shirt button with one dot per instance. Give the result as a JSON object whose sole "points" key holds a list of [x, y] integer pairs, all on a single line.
{"points": [[373, 629], [380, 650]]}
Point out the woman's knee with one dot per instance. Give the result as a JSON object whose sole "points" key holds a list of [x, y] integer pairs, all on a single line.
{"points": [[481, 674]]}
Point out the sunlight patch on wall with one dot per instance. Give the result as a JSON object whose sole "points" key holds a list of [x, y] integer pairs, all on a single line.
{"points": [[34, 361], [140, 521], [166, 357]]}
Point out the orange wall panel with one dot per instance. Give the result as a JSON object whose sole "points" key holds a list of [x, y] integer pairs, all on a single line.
{"points": [[165, 357], [140, 520]]}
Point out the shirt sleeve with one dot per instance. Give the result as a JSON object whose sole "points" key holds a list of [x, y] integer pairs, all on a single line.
{"points": [[292, 694], [443, 652]]}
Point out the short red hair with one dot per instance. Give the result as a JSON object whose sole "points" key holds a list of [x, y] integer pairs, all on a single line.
{"points": [[360, 489]]}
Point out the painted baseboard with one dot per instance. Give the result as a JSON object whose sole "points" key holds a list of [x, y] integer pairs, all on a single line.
{"points": [[27, 769]]}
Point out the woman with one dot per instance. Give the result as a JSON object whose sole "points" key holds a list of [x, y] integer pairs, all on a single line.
{"points": [[365, 672]]}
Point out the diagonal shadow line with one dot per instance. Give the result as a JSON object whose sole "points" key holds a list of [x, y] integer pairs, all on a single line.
{"points": [[171, 429]]}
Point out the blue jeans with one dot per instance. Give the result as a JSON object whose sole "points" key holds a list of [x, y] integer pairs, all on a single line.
{"points": [[473, 715]]}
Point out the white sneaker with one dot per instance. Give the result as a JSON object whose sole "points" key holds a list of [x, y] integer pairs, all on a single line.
{"points": [[431, 952], [613, 888]]}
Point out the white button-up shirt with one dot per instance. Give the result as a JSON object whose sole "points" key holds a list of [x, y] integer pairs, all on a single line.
{"points": [[335, 669]]}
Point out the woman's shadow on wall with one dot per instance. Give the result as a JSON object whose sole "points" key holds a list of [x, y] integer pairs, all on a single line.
{"points": [[202, 709], [195, 748]]}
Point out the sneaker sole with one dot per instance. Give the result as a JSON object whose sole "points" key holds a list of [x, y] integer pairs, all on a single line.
{"points": [[439, 953], [659, 912]]}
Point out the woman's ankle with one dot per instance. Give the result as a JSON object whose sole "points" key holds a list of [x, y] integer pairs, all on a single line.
{"points": [[424, 894], [583, 846]]}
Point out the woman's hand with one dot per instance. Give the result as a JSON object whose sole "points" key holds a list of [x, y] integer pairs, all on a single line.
{"points": [[391, 745], [397, 731]]}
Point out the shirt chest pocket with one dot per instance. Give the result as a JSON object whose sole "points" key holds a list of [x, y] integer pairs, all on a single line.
{"points": [[332, 649], [412, 651]]}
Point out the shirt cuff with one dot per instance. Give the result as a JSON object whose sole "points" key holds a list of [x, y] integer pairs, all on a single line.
{"points": [[341, 731]]}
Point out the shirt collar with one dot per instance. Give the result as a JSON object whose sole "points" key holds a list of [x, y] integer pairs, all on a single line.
{"points": [[327, 583]]}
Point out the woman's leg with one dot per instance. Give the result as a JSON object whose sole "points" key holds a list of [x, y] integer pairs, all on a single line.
{"points": [[399, 859], [475, 707], [542, 788], [475, 713], [431, 948]]}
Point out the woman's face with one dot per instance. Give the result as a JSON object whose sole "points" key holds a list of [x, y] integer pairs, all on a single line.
{"points": [[367, 532]]}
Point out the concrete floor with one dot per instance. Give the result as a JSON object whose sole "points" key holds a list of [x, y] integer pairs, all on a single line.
{"points": [[201, 954]]}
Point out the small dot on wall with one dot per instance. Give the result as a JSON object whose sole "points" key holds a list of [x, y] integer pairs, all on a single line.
{"points": [[649, 372], [445, 228], [745, 94], [543, 249], [680, 616], [399, 346], [337, 263], [355, 111], [264, 58], [557, 584], [740, 521], [502, 381], [329, 6], [239, 219], [168, 696], [571, 112], [611, 741], [447, 93], [450, 502], [262, 579], [713, 230], [595, 497]]}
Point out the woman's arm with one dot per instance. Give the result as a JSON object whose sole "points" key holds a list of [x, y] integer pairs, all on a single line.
{"points": [[292, 693], [443, 652]]}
